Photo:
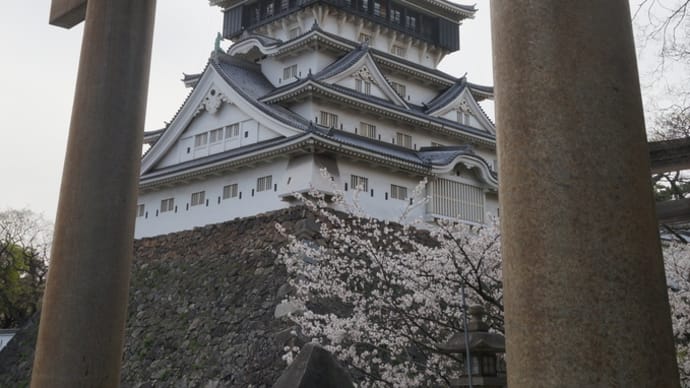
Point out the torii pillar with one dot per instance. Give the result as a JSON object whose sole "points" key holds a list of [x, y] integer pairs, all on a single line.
{"points": [[81, 334], [585, 292]]}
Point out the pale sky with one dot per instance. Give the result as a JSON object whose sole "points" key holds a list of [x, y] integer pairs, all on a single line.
{"points": [[39, 66]]}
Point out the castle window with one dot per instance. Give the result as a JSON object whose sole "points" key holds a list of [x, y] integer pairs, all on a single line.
{"points": [[363, 86], [294, 32], [379, 9], [230, 191], [396, 15], [399, 88], [398, 192], [289, 72], [411, 22], [364, 6], [216, 135], [141, 210], [455, 199], [201, 139], [232, 130], [403, 140], [329, 119], [167, 205], [284, 5], [368, 130], [359, 183], [264, 183], [198, 198], [269, 9], [398, 50], [464, 117]]}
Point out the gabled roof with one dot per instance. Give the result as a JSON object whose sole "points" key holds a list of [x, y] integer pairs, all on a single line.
{"points": [[414, 114], [427, 161], [460, 96], [454, 91]]}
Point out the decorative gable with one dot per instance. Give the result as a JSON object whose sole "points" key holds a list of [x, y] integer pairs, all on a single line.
{"points": [[458, 105]]}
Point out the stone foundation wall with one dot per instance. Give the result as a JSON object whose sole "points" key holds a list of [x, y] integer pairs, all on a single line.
{"points": [[201, 308]]}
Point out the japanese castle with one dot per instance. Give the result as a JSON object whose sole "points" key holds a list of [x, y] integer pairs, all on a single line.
{"points": [[350, 86]]}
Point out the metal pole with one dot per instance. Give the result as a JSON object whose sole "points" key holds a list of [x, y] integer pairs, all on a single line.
{"points": [[585, 293], [81, 333]]}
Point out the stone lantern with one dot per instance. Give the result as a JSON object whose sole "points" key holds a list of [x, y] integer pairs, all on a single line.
{"points": [[484, 349]]}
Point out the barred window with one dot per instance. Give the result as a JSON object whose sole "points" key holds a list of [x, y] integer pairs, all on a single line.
{"points": [[359, 182], [464, 117], [398, 50], [456, 199], [230, 191], [368, 130], [216, 135], [363, 86], [201, 139], [167, 205], [289, 72], [264, 183], [398, 192], [399, 88], [294, 32], [329, 119], [198, 198], [232, 130], [140, 210], [403, 140]]}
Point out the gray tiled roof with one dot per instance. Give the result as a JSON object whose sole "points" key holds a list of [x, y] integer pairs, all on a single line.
{"points": [[343, 63]]}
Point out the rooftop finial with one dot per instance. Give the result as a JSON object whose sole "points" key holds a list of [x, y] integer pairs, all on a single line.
{"points": [[219, 38]]}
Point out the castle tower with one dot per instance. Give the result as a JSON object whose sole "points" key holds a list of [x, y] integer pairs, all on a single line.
{"points": [[350, 86]]}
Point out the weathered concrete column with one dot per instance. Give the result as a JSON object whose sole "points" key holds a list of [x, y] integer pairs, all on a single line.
{"points": [[585, 292], [85, 304]]}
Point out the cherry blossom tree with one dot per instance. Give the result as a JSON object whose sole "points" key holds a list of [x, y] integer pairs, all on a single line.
{"points": [[381, 296]]}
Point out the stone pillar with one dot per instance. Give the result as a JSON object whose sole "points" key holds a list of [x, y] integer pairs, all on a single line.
{"points": [[85, 304], [585, 292]]}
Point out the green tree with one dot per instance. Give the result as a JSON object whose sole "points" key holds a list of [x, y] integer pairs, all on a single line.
{"points": [[24, 243]]}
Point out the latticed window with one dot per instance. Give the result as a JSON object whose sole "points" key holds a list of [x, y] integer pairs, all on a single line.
{"points": [[398, 50], [198, 198], [398, 192], [141, 210], [201, 139], [216, 135], [399, 88], [289, 72], [363, 86], [264, 183], [359, 182], [167, 205], [284, 5], [456, 199], [403, 140], [329, 119], [464, 117], [232, 130], [368, 130], [230, 191]]}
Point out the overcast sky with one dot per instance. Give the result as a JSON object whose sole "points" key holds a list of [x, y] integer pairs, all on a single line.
{"points": [[39, 66]]}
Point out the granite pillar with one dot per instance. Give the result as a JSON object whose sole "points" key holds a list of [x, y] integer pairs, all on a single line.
{"points": [[585, 292], [81, 332]]}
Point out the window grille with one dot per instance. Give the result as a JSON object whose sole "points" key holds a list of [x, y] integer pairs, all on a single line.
{"points": [[455, 199], [216, 135], [399, 88], [232, 130], [398, 192], [398, 50], [368, 130], [289, 72], [201, 139], [363, 86], [264, 183], [230, 191], [359, 182], [198, 198], [403, 140], [329, 119], [140, 210], [167, 205]]}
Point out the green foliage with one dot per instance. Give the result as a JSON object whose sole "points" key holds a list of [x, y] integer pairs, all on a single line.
{"points": [[24, 241]]}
